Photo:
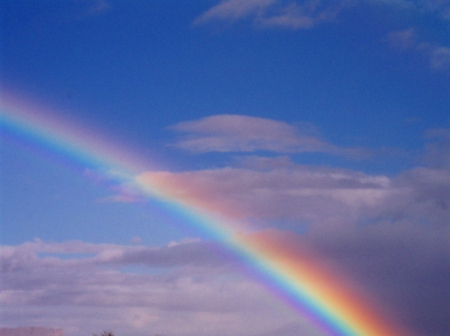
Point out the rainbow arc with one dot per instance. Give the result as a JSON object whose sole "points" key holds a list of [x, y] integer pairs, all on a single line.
{"points": [[296, 278]]}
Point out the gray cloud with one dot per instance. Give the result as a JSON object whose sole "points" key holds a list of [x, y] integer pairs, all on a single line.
{"points": [[390, 234], [322, 197], [190, 288], [31, 331], [406, 267], [296, 193]]}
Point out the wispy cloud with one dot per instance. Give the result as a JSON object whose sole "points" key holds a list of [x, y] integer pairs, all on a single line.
{"points": [[305, 14], [234, 10], [238, 133], [273, 13], [403, 39], [438, 56], [437, 150], [440, 7], [228, 133], [97, 7]]}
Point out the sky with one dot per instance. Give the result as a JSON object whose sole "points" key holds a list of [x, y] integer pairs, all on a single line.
{"points": [[319, 126]]}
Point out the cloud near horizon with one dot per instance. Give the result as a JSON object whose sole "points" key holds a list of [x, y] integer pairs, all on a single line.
{"points": [[182, 289], [31, 331]]}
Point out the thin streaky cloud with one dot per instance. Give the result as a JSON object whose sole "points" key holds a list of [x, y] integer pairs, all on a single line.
{"points": [[440, 7], [98, 7], [403, 39], [296, 16], [226, 133], [237, 133], [234, 10], [304, 14], [438, 56], [272, 13], [437, 150]]}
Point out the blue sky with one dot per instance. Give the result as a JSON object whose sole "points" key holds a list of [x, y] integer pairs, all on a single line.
{"points": [[327, 120]]}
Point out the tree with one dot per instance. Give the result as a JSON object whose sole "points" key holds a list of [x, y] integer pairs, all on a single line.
{"points": [[105, 333]]}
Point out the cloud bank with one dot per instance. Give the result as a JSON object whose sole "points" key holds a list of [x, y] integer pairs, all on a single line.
{"points": [[31, 331], [185, 289]]}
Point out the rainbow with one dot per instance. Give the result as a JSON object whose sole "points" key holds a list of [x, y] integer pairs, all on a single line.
{"points": [[293, 276]]}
